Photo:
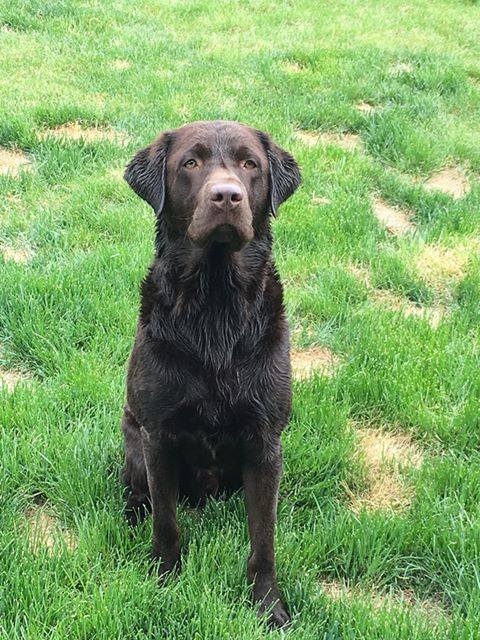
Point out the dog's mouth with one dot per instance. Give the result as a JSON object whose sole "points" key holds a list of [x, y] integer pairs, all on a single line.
{"points": [[225, 234], [229, 235], [226, 237]]}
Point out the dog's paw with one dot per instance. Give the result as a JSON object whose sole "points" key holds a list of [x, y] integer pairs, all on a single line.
{"points": [[166, 565], [272, 607], [277, 616]]}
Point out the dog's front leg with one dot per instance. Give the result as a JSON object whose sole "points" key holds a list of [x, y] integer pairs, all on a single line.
{"points": [[261, 479], [162, 474]]}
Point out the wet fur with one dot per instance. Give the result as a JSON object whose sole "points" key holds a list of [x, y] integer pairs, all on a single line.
{"points": [[220, 344], [208, 385]]}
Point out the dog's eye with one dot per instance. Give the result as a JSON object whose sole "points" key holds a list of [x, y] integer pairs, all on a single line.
{"points": [[250, 164], [190, 164]]}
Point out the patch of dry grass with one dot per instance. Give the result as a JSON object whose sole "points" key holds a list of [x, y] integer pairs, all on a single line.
{"points": [[430, 608], [388, 299], [438, 264], [365, 107], [76, 131], [400, 68], [20, 255], [360, 272], [292, 66], [13, 162], [309, 138], [396, 221], [306, 362], [433, 314], [9, 379], [320, 200], [121, 65], [384, 454], [44, 531], [450, 181], [347, 141]]}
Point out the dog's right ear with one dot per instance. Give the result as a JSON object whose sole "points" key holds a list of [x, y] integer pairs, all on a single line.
{"points": [[147, 171]]}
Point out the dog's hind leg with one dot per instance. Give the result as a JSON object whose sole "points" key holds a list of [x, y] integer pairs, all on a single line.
{"points": [[134, 473]]}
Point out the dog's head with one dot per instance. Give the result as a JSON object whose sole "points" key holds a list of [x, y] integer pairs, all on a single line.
{"points": [[215, 182]]}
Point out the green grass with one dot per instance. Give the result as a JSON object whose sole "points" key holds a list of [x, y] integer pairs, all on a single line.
{"points": [[67, 316]]}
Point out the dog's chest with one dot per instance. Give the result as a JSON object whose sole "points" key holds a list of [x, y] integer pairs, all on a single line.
{"points": [[209, 422], [208, 450]]}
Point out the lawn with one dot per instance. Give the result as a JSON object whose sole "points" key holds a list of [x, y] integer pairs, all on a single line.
{"points": [[379, 517]]}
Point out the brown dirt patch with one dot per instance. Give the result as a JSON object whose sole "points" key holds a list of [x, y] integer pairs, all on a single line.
{"points": [[396, 221], [75, 131], [430, 608], [320, 200], [335, 589], [379, 446], [400, 68], [450, 181], [306, 362], [348, 141], [384, 454], [292, 67], [361, 273], [9, 379], [395, 302], [433, 314], [309, 138], [365, 107], [121, 65], [13, 162], [16, 254], [438, 265], [45, 531]]}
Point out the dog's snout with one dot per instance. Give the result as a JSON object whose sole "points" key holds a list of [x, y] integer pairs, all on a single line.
{"points": [[226, 194]]}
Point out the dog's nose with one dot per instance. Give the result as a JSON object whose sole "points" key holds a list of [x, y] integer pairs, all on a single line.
{"points": [[226, 194]]}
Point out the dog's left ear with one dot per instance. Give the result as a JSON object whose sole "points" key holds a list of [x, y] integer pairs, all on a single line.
{"points": [[146, 173], [284, 173]]}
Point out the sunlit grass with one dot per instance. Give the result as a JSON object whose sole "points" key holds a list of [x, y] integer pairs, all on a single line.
{"points": [[404, 569]]}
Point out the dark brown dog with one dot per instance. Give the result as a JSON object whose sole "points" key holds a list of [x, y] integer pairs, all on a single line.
{"points": [[208, 389]]}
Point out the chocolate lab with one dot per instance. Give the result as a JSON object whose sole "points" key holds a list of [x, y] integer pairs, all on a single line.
{"points": [[209, 382]]}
